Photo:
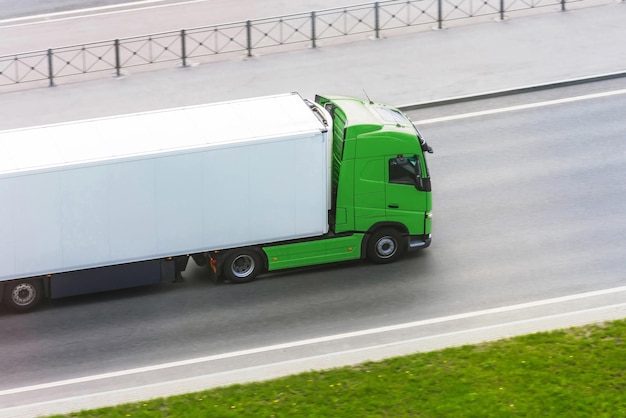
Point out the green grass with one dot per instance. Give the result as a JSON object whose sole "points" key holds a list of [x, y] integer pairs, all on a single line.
{"points": [[578, 372]]}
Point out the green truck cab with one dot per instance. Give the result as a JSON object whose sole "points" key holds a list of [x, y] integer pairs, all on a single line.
{"points": [[381, 204], [380, 177]]}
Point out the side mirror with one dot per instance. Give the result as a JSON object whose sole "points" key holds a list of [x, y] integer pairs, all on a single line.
{"points": [[419, 183]]}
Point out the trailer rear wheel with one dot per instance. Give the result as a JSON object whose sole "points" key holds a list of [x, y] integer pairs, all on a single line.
{"points": [[242, 266], [385, 246], [23, 295]]}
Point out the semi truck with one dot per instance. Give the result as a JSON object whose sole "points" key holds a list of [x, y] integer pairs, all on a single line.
{"points": [[247, 186]]}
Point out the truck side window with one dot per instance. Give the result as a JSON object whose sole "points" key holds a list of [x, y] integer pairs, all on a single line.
{"points": [[403, 170]]}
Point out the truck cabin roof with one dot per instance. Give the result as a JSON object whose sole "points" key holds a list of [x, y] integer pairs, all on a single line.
{"points": [[370, 117]]}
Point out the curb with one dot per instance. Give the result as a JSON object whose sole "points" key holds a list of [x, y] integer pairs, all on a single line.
{"points": [[517, 90]]}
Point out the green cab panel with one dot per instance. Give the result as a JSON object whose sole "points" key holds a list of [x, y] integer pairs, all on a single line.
{"points": [[307, 253], [379, 170], [369, 193], [429, 220]]}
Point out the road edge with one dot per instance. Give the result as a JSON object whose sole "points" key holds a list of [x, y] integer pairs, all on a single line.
{"points": [[513, 91]]}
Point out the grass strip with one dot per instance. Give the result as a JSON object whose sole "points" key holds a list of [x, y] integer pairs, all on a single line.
{"points": [[576, 372]]}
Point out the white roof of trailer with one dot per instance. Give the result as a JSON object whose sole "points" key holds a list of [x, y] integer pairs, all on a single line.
{"points": [[155, 132]]}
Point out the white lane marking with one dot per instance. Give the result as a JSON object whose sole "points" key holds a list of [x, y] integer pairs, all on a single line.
{"points": [[90, 12], [314, 341], [522, 107], [318, 362]]}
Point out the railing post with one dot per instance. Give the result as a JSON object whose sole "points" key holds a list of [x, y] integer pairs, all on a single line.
{"points": [[118, 66], [249, 37], [501, 9], [313, 45], [50, 68], [377, 19], [183, 47], [440, 14], [562, 5]]}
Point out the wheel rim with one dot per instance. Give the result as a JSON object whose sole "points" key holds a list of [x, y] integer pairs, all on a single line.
{"points": [[23, 294], [242, 266], [386, 247]]}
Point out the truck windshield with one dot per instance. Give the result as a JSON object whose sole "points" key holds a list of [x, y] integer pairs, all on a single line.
{"points": [[395, 116], [392, 115]]}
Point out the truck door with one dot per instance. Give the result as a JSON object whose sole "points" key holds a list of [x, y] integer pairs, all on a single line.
{"points": [[405, 203]]}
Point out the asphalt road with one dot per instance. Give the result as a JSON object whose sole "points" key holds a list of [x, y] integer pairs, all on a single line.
{"points": [[529, 205], [12, 9], [20, 8], [34, 25]]}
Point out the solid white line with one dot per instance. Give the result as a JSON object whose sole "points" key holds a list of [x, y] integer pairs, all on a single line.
{"points": [[318, 362], [90, 12], [521, 107], [313, 341]]}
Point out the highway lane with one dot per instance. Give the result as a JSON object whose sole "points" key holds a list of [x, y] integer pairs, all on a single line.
{"points": [[43, 26], [529, 205], [12, 9]]}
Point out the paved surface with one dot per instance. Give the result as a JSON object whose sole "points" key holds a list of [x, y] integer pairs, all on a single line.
{"points": [[95, 24], [404, 69], [521, 269], [431, 65]]}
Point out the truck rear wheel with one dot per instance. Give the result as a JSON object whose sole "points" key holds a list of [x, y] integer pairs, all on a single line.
{"points": [[23, 295], [385, 246], [242, 266]]}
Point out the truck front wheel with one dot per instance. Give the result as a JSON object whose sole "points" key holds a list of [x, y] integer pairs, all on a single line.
{"points": [[385, 246], [23, 295], [242, 266]]}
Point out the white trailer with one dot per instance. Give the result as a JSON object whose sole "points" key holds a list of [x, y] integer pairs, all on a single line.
{"points": [[114, 202]]}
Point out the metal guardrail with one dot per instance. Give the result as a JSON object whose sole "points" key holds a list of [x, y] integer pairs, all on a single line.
{"points": [[187, 44]]}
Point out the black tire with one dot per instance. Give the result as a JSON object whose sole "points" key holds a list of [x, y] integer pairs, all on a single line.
{"points": [[242, 266], [385, 246], [23, 295]]}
